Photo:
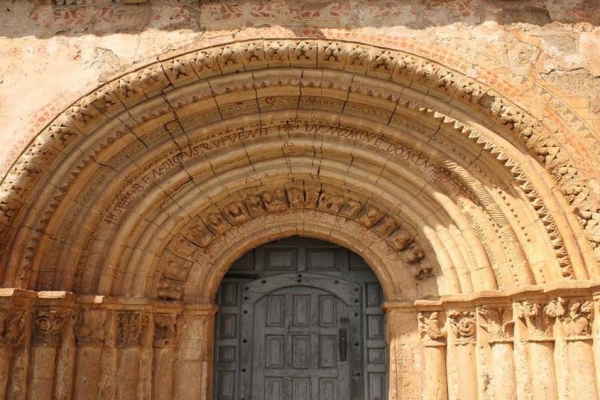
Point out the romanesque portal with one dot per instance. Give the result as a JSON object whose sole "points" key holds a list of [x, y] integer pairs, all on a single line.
{"points": [[124, 214]]}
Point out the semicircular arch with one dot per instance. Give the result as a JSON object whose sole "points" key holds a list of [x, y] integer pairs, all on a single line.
{"points": [[442, 153]]}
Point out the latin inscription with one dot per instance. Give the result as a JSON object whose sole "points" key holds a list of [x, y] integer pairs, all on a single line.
{"points": [[176, 161]]}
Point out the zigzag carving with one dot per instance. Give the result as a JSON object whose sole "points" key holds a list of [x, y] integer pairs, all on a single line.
{"points": [[88, 113]]}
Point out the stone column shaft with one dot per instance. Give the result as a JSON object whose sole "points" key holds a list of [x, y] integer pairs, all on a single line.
{"points": [[164, 341], [541, 364], [107, 389], [87, 377], [5, 360], [582, 373], [65, 364], [164, 361], [503, 369], [464, 371], [128, 373], [41, 383], [435, 385], [193, 369]]}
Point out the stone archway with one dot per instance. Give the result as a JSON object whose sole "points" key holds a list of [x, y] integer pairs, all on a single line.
{"points": [[127, 210]]}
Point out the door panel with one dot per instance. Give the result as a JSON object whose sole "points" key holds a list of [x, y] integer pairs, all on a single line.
{"points": [[304, 351], [300, 319]]}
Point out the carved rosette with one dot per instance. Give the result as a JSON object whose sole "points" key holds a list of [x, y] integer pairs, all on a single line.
{"points": [[432, 329], [130, 328], [537, 319], [165, 330], [497, 322], [91, 328], [49, 325], [463, 326], [12, 326]]}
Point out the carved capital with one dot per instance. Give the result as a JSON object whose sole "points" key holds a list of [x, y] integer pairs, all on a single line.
{"points": [[432, 329], [497, 322], [463, 326], [12, 326], [91, 328], [165, 330], [537, 319], [130, 328], [49, 325], [576, 321]]}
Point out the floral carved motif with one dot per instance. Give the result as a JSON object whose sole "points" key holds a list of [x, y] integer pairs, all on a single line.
{"points": [[432, 329], [49, 325], [577, 321], [165, 330], [538, 319], [497, 322], [463, 326], [574, 315], [130, 328], [12, 326]]}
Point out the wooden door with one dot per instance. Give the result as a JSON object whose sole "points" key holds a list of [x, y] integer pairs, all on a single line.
{"points": [[300, 319]]}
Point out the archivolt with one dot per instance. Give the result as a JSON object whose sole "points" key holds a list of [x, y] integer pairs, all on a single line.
{"points": [[114, 195]]}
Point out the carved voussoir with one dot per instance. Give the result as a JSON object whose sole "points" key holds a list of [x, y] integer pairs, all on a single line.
{"points": [[169, 289], [303, 53], [241, 207], [180, 70], [197, 233], [175, 268]]}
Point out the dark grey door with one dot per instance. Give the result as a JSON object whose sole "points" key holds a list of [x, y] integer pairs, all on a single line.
{"points": [[300, 319]]}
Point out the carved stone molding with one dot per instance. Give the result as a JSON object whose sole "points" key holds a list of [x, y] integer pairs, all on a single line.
{"points": [[48, 326], [165, 330], [91, 328], [432, 328], [497, 322], [12, 326], [131, 327], [389, 65], [463, 325]]}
